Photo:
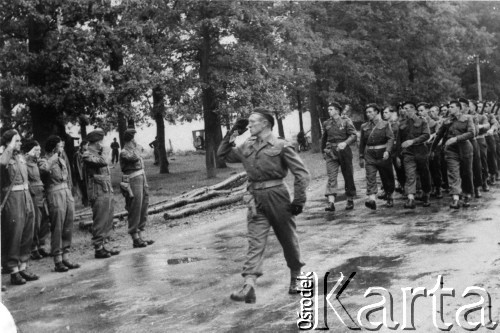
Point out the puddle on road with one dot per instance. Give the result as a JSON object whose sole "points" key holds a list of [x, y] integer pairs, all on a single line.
{"points": [[184, 260], [370, 271]]}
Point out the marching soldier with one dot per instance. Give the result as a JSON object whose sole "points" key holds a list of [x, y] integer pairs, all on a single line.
{"points": [[413, 132], [338, 134], [490, 142], [390, 114], [375, 148], [18, 213], [100, 193], [456, 132], [135, 189], [483, 126], [443, 115], [267, 160], [41, 229], [435, 166], [55, 173]]}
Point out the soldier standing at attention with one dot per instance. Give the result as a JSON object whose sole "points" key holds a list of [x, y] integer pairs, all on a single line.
{"points": [[457, 130], [55, 174], [338, 134], [375, 146], [133, 174], [115, 149], [412, 135], [32, 152], [267, 160], [18, 213], [100, 193]]}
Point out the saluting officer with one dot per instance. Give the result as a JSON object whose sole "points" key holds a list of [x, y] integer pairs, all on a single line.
{"points": [[137, 201], [267, 160], [338, 134], [375, 147], [412, 135], [100, 193], [18, 212], [456, 131], [55, 174], [41, 230]]}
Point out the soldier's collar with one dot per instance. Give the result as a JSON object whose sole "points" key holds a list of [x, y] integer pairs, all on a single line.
{"points": [[269, 139]]}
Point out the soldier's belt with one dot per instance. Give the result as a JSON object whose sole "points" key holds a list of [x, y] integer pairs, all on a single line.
{"points": [[265, 184], [333, 144], [482, 136], [57, 187], [135, 174], [102, 177], [20, 187], [34, 184], [376, 147]]}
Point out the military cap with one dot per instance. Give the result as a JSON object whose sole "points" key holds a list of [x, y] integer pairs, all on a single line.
{"points": [[409, 103], [95, 135], [425, 104], [266, 114], [335, 105], [463, 100], [7, 136], [240, 125], [51, 143], [373, 106], [129, 134], [28, 145]]}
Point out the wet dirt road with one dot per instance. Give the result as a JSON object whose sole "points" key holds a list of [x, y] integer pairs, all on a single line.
{"points": [[182, 283]]}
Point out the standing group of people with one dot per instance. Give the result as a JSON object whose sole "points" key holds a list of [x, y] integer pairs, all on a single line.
{"points": [[424, 148], [38, 203]]}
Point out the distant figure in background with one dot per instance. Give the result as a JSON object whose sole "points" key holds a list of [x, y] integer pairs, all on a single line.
{"points": [[199, 143], [154, 145], [115, 152]]}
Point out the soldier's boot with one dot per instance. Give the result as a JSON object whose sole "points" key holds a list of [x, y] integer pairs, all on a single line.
{"points": [[147, 241], [66, 262], [425, 199], [466, 201], [35, 255], [101, 253], [485, 187], [330, 207], [455, 204], [294, 283], [389, 201], [477, 194], [246, 294], [372, 204], [28, 276], [410, 204], [350, 205], [439, 193], [17, 279], [112, 252], [382, 196]]}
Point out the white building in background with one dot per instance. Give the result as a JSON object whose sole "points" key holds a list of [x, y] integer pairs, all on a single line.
{"points": [[179, 137]]}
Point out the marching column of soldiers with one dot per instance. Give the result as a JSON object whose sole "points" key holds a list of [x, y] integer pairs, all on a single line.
{"points": [[37, 202]]}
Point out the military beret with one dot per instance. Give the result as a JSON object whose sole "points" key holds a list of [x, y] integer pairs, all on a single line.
{"points": [[28, 145], [463, 100], [51, 143], [335, 105], [424, 104], [266, 114], [409, 103], [7, 136], [95, 135], [240, 125], [456, 102], [373, 106], [129, 134]]}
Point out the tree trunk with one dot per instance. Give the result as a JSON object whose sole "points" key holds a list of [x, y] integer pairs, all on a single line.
{"points": [[158, 113], [281, 131], [299, 107], [213, 131], [315, 121]]}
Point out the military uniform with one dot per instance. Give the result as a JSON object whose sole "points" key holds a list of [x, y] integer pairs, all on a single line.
{"points": [[377, 138], [400, 171], [415, 157], [335, 132], [476, 155], [18, 214], [492, 148], [435, 160], [100, 194], [41, 230], [267, 163], [483, 126], [458, 155], [133, 173]]}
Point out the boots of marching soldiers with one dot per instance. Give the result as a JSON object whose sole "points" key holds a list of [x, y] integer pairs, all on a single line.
{"points": [[371, 204], [477, 194], [350, 205], [246, 294], [389, 201], [425, 200], [455, 204], [485, 187], [17, 279], [294, 283], [330, 207], [466, 201], [410, 204]]}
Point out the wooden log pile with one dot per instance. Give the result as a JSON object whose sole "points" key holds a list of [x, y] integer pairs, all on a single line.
{"points": [[225, 193]]}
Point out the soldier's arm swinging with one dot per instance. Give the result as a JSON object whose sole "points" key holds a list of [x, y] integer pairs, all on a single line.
{"points": [[297, 168], [94, 160], [227, 150]]}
